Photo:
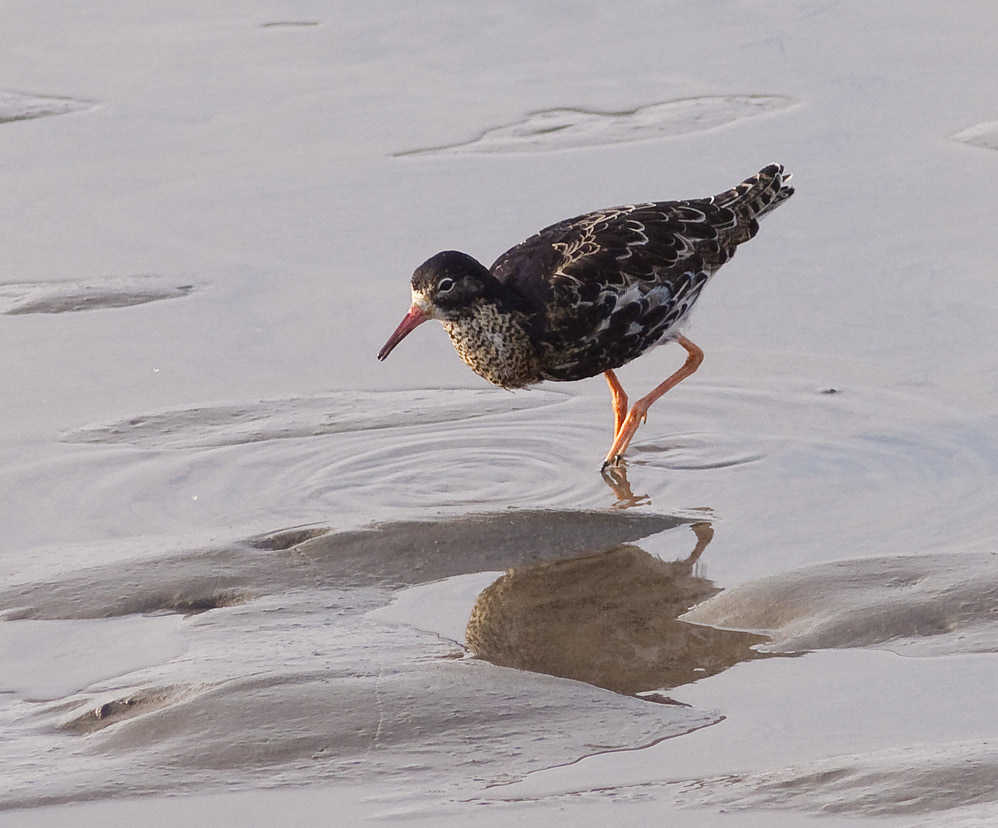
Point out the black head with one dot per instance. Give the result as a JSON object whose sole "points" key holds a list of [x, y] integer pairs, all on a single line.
{"points": [[450, 283], [445, 287]]}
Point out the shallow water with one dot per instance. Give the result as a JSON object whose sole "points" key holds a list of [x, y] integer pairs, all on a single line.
{"points": [[240, 551]]}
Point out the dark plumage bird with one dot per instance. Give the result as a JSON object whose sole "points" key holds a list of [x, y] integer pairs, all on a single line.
{"points": [[589, 294]]}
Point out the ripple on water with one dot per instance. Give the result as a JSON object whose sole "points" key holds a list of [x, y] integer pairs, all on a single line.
{"points": [[704, 450], [347, 454], [469, 464], [858, 457], [875, 468], [859, 432]]}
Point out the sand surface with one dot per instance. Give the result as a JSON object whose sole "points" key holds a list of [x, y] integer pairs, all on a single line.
{"points": [[240, 556]]}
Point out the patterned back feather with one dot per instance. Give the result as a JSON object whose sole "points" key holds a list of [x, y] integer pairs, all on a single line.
{"points": [[601, 288]]}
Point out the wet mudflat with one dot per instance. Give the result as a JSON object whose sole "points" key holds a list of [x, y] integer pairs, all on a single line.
{"points": [[245, 562]]}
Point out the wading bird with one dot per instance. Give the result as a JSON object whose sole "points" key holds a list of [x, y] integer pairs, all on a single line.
{"points": [[589, 294]]}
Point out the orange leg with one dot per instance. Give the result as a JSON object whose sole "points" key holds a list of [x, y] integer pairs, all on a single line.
{"points": [[619, 401], [639, 411]]}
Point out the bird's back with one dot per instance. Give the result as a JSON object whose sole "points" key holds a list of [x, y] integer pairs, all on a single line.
{"points": [[603, 287]]}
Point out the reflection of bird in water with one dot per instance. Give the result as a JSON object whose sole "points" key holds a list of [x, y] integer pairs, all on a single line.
{"points": [[609, 619], [616, 478], [589, 294]]}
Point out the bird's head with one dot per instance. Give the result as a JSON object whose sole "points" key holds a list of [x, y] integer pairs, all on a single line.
{"points": [[445, 287]]}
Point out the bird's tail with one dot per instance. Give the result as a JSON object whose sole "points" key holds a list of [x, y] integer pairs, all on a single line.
{"points": [[758, 195]]}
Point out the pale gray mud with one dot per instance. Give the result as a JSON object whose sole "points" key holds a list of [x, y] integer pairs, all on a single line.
{"points": [[284, 678]]}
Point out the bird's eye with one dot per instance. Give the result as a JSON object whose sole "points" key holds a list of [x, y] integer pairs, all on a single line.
{"points": [[445, 285]]}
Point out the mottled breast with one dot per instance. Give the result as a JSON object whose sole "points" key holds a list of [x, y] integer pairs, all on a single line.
{"points": [[496, 346]]}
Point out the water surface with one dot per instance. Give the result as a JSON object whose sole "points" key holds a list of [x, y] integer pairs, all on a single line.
{"points": [[239, 550]]}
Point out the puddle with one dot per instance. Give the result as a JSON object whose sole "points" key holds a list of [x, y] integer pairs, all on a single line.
{"points": [[41, 660], [851, 732], [572, 128]]}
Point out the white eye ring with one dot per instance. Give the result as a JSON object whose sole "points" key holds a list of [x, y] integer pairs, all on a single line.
{"points": [[445, 284]]}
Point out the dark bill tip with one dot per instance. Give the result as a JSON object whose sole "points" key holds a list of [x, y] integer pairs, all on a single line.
{"points": [[415, 317]]}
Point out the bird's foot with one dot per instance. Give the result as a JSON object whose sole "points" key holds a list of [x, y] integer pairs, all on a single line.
{"points": [[612, 461]]}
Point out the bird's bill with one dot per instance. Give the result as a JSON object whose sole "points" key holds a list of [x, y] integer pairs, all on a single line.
{"points": [[414, 318]]}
